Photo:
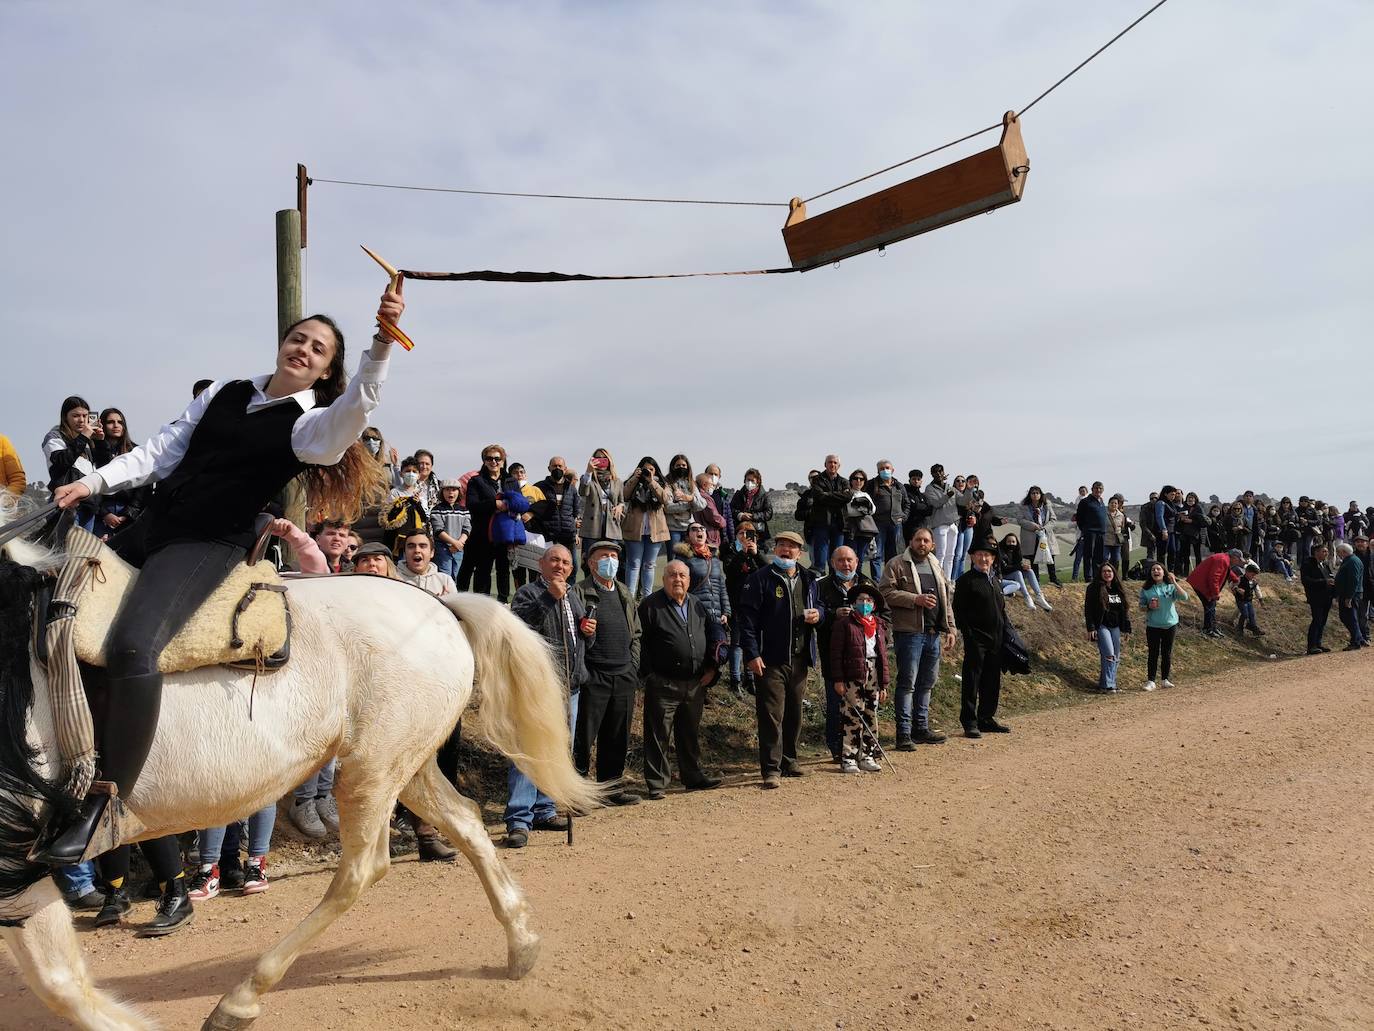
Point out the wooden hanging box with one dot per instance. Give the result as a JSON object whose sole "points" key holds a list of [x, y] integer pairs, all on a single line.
{"points": [[990, 179]]}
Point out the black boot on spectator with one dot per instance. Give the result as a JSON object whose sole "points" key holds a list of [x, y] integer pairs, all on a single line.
{"points": [[905, 744], [926, 736], [173, 912], [116, 905]]}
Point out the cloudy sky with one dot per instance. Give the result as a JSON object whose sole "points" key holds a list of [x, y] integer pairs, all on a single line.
{"points": [[1182, 295]]}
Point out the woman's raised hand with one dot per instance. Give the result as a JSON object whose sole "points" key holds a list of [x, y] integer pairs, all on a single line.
{"points": [[392, 304]]}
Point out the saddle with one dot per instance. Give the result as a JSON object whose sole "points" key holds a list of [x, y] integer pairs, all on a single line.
{"points": [[245, 623]]}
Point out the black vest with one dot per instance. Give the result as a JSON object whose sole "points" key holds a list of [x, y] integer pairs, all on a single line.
{"points": [[234, 465]]}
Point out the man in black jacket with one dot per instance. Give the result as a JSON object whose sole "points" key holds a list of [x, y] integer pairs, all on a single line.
{"points": [[558, 515], [673, 667], [829, 493], [1318, 582], [981, 616], [1091, 517]]}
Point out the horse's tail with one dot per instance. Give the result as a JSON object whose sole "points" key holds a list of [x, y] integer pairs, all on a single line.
{"points": [[521, 699]]}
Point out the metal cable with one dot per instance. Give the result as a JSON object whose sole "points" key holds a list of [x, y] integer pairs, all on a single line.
{"points": [[754, 203], [556, 196], [962, 139]]}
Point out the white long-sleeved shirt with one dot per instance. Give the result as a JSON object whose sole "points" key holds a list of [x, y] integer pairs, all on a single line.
{"points": [[319, 437]]}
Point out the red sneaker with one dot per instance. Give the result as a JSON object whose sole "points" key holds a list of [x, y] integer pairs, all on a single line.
{"points": [[255, 876]]}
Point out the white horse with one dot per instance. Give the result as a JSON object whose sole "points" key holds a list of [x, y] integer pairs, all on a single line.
{"points": [[379, 675]]}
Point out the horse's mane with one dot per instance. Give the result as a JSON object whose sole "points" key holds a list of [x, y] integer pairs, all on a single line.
{"points": [[24, 791], [35, 552]]}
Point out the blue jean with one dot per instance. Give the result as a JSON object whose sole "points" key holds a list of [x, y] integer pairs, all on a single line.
{"points": [[1109, 649], [1351, 618], [526, 805], [211, 840], [918, 664], [317, 785], [1094, 544], [1112, 553], [640, 557], [889, 546], [1209, 614], [1247, 613], [823, 541], [75, 881], [447, 561], [961, 546]]}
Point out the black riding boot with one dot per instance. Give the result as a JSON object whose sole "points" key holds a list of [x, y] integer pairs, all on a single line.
{"points": [[125, 740]]}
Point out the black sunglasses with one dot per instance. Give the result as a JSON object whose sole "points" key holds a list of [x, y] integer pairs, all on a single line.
{"points": [[491, 458]]}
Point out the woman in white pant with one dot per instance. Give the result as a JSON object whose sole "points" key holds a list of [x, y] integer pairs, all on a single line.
{"points": [[944, 517]]}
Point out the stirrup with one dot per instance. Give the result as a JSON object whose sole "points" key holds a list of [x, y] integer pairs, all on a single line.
{"points": [[104, 837]]}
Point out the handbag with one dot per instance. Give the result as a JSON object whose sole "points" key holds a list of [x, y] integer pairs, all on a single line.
{"points": [[1015, 655]]}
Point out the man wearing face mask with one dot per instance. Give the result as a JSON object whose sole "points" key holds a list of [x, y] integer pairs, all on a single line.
{"points": [[557, 516], [778, 613], [890, 506], [608, 696], [836, 592]]}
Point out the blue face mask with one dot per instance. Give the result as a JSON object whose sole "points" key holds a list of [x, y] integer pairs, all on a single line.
{"points": [[607, 566], [863, 608], [884, 474], [846, 577], [785, 564]]}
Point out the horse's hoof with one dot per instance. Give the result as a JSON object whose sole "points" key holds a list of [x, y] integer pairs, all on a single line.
{"points": [[522, 958], [218, 1021]]}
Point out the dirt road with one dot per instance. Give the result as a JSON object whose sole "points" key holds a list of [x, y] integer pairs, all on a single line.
{"points": [[1198, 857]]}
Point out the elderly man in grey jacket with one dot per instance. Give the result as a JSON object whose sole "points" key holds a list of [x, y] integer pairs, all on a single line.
{"points": [[555, 611]]}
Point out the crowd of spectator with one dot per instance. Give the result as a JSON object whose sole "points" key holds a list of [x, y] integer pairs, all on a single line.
{"points": [[897, 573]]}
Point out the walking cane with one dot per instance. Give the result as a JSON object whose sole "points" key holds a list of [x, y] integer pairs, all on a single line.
{"points": [[887, 763]]}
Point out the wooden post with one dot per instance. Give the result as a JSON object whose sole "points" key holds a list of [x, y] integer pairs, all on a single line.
{"points": [[288, 269]]}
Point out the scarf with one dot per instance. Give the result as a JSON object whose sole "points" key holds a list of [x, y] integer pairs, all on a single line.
{"points": [[869, 623], [702, 550]]}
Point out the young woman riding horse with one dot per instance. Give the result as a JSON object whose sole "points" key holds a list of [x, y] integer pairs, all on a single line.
{"points": [[218, 465]]}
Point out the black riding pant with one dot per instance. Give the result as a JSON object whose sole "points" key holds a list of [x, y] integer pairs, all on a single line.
{"points": [[174, 581]]}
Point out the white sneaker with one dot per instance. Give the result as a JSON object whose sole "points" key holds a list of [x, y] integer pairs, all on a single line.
{"points": [[328, 811], [1149, 686], [869, 765], [306, 820], [1030, 604], [1166, 683], [848, 766], [1044, 604]]}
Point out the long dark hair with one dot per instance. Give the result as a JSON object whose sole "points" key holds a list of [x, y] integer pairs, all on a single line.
{"points": [[685, 461], [72, 402], [1033, 489], [24, 792], [1103, 592], [126, 442], [357, 481]]}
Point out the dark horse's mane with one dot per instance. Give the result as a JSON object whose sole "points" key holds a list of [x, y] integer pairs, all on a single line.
{"points": [[24, 792]]}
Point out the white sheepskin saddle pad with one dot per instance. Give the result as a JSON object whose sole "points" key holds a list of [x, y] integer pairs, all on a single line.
{"points": [[206, 639]]}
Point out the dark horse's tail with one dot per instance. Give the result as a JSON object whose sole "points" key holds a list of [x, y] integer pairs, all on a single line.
{"points": [[24, 792]]}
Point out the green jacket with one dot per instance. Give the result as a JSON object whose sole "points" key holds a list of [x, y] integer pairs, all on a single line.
{"points": [[1350, 578]]}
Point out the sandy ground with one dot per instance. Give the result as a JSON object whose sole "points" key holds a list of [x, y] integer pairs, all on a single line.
{"points": [[1199, 857]]}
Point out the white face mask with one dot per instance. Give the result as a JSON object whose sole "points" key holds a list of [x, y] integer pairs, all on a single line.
{"points": [[410, 479], [715, 480], [750, 485], [522, 481], [373, 445]]}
